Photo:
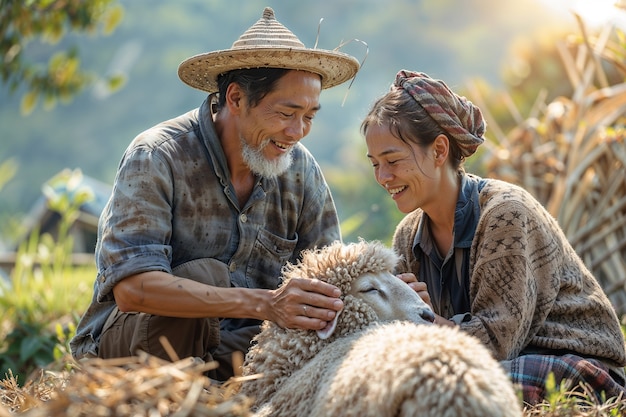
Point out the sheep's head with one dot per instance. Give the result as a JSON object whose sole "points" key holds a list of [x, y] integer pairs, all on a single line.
{"points": [[370, 292], [363, 273]]}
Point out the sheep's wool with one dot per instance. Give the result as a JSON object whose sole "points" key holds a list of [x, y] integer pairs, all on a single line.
{"points": [[399, 369]]}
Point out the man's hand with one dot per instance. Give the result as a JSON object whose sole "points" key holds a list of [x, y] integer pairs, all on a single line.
{"points": [[305, 303]]}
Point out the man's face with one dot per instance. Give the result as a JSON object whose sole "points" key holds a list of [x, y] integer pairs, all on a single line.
{"points": [[269, 130]]}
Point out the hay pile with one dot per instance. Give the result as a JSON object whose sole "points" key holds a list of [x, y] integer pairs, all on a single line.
{"points": [[138, 386], [573, 159]]}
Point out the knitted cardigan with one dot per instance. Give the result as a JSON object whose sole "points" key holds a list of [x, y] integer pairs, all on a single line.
{"points": [[528, 287]]}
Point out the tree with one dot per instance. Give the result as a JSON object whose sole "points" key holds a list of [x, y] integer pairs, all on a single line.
{"points": [[23, 22]]}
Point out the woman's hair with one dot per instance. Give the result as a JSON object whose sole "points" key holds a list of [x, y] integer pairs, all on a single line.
{"points": [[408, 121], [256, 83]]}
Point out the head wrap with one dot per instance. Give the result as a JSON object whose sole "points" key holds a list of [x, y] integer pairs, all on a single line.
{"points": [[456, 115]]}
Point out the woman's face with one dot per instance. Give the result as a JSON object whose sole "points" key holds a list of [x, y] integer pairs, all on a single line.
{"points": [[405, 170]]}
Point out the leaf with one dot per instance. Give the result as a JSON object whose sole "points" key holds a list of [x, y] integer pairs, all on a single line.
{"points": [[113, 18], [29, 101], [43, 357], [6, 364], [8, 169], [60, 333], [116, 82], [29, 347]]}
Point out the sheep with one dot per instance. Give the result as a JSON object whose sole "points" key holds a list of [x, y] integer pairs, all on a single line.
{"points": [[382, 357], [398, 369]]}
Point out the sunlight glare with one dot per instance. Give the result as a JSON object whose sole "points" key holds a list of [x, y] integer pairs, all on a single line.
{"points": [[593, 12]]}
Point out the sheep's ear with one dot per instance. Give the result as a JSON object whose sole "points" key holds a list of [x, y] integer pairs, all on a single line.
{"points": [[327, 331]]}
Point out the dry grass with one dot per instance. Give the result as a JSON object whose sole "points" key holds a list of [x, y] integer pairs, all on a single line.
{"points": [[570, 155], [139, 386], [578, 403]]}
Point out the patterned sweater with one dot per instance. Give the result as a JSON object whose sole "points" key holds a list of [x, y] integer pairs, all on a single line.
{"points": [[528, 287]]}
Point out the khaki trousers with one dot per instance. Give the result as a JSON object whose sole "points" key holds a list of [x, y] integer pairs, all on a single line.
{"points": [[125, 334]]}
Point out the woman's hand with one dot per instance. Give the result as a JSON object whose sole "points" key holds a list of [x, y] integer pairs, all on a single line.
{"points": [[417, 286], [421, 290]]}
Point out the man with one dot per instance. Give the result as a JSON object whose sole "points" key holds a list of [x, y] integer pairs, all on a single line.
{"points": [[207, 207]]}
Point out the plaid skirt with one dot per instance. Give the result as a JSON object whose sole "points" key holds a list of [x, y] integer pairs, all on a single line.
{"points": [[530, 372]]}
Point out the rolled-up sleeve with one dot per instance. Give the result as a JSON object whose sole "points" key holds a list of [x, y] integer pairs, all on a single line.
{"points": [[136, 225]]}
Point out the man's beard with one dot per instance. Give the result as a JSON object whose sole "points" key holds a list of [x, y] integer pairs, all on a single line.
{"points": [[260, 165]]}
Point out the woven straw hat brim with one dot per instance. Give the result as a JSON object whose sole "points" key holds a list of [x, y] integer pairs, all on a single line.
{"points": [[201, 71], [267, 44]]}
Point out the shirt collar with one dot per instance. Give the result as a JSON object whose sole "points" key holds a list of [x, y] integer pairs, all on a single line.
{"points": [[466, 217], [208, 135], [212, 142], [467, 212]]}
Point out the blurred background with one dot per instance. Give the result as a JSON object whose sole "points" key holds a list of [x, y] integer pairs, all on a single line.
{"points": [[81, 78], [119, 78]]}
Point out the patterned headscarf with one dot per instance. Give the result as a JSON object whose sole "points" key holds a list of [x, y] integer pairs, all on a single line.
{"points": [[456, 115]]}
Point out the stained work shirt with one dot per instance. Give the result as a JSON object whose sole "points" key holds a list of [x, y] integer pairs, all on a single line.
{"points": [[173, 202]]}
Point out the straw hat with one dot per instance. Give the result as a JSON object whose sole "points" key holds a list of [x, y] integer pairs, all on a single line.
{"points": [[267, 44]]}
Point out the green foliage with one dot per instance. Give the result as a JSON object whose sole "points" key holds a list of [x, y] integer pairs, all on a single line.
{"points": [[7, 171], [61, 78], [29, 346], [8, 224], [40, 301], [557, 394], [562, 400]]}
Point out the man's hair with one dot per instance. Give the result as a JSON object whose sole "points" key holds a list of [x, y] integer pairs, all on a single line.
{"points": [[256, 83]]}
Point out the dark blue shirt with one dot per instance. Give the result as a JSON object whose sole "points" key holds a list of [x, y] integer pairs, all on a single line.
{"points": [[447, 276]]}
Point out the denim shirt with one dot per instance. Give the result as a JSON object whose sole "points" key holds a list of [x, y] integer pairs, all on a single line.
{"points": [[447, 277], [173, 201]]}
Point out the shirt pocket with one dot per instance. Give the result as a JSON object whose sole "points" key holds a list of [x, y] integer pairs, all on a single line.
{"points": [[269, 254]]}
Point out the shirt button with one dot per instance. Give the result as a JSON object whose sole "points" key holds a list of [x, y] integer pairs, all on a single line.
{"points": [[243, 218], [232, 267]]}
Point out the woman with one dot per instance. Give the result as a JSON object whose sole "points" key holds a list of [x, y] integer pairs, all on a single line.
{"points": [[489, 258]]}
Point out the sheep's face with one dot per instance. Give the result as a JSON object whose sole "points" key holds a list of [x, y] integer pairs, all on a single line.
{"points": [[388, 297], [362, 271], [391, 298]]}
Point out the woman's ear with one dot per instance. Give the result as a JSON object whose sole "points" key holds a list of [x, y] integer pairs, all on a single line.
{"points": [[441, 148]]}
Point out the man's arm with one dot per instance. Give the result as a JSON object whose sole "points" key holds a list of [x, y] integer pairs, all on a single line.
{"points": [[164, 294]]}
